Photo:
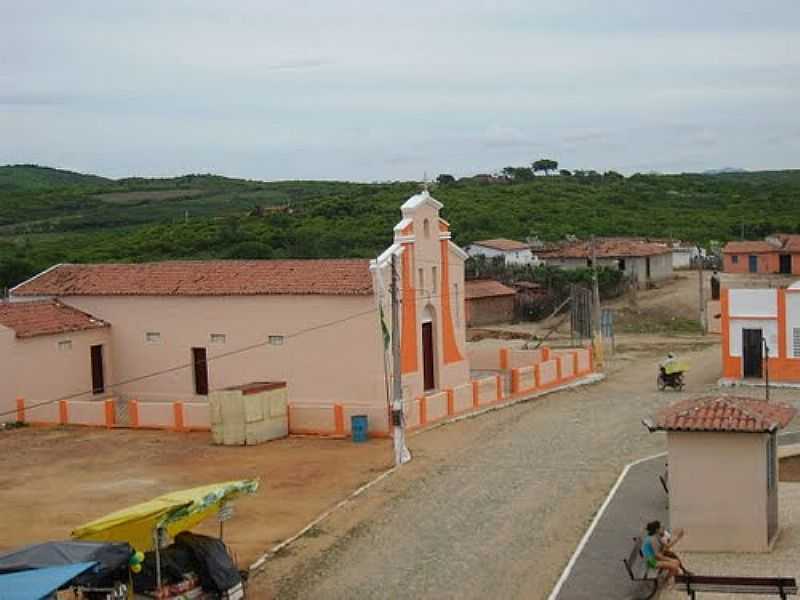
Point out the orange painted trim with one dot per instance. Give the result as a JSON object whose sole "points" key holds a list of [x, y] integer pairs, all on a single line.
{"points": [[63, 412], [782, 352], [423, 411], [504, 352], [408, 335], [450, 351], [476, 393], [559, 376], [338, 419], [730, 365], [20, 410], [443, 226], [499, 384], [110, 413], [545, 353], [591, 359], [408, 229], [133, 413], [576, 369], [451, 402], [514, 381], [537, 375], [177, 411], [752, 318]]}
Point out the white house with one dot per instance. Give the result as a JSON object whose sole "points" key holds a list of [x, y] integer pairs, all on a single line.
{"points": [[512, 251]]}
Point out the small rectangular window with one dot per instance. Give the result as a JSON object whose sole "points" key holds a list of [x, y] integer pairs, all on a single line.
{"points": [[734, 259], [421, 278], [796, 342], [217, 338], [276, 340], [65, 345], [434, 278], [152, 337]]}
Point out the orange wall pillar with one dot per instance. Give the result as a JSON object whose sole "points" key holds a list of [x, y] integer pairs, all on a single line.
{"points": [[20, 410]]}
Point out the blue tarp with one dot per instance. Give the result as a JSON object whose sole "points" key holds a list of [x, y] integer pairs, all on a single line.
{"points": [[37, 584]]}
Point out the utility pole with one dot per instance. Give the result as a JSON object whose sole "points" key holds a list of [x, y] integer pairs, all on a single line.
{"points": [[597, 338], [401, 453], [701, 309]]}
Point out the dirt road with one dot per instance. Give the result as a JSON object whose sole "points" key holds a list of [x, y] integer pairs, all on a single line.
{"points": [[491, 507]]}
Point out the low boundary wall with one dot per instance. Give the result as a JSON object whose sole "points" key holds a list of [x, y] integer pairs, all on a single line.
{"points": [[538, 370]]}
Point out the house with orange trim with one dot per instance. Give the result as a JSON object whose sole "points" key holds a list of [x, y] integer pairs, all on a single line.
{"points": [[778, 253], [181, 329], [760, 331], [50, 350]]}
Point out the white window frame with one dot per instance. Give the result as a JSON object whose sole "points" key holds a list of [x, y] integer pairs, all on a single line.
{"points": [[64, 345], [152, 337], [276, 340]]}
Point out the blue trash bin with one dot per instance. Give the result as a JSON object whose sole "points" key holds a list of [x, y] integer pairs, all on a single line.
{"points": [[359, 426]]}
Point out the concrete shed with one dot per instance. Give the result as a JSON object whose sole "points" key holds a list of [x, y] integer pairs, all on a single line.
{"points": [[723, 471], [488, 301]]}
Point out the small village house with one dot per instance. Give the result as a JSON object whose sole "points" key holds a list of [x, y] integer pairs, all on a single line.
{"points": [[723, 471], [511, 251], [778, 253], [754, 321], [643, 262], [488, 301], [50, 350], [314, 324]]}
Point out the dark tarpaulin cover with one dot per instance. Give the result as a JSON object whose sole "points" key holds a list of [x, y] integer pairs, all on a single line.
{"points": [[110, 557], [216, 568]]}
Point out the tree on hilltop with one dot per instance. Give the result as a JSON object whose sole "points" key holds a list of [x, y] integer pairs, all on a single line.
{"points": [[546, 165]]}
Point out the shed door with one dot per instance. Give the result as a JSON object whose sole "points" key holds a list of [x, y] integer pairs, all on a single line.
{"points": [[98, 381], [786, 263], [647, 266], [427, 355], [751, 352], [752, 263]]}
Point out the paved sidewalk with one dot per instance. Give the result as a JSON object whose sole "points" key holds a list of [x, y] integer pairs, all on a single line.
{"points": [[598, 571]]}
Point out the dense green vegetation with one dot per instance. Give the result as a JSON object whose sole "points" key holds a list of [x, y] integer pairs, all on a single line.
{"points": [[49, 216]]}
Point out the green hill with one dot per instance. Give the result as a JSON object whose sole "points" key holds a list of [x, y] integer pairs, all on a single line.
{"points": [[34, 177], [90, 218]]}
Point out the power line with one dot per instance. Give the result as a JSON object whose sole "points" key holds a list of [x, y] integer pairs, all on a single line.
{"points": [[208, 360]]}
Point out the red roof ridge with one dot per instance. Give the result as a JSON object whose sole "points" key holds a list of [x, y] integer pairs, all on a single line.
{"points": [[32, 318], [724, 413]]}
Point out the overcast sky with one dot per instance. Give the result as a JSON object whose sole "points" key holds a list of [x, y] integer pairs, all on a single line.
{"points": [[379, 90]]}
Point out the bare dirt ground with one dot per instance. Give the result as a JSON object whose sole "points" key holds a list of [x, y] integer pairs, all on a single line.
{"points": [[54, 479], [490, 507]]}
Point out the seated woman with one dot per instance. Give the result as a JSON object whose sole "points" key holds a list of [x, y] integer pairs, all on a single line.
{"points": [[655, 557]]}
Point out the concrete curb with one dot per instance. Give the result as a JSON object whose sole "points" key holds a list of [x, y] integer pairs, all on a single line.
{"points": [[598, 515], [261, 561]]}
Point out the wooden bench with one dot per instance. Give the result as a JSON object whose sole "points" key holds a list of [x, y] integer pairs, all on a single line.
{"points": [[639, 571], [766, 586]]}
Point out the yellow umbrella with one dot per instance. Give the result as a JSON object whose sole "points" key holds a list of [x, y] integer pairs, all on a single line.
{"points": [[174, 512]]}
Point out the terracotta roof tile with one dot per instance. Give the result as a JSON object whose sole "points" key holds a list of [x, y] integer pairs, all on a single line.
{"points": [[503, 245], [204, 278], [745, 247], [606, 248], [48, 317], [725, 413], [486, 288]]}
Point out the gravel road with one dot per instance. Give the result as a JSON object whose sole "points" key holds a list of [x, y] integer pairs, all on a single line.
{"points": [[493, 506]]}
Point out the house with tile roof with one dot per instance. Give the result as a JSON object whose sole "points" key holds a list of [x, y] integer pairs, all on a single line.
{"points": [[50, 350], [488, 301], [642, 261], [511, 251], [777, 253], [180, 329], [723, 470]]}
